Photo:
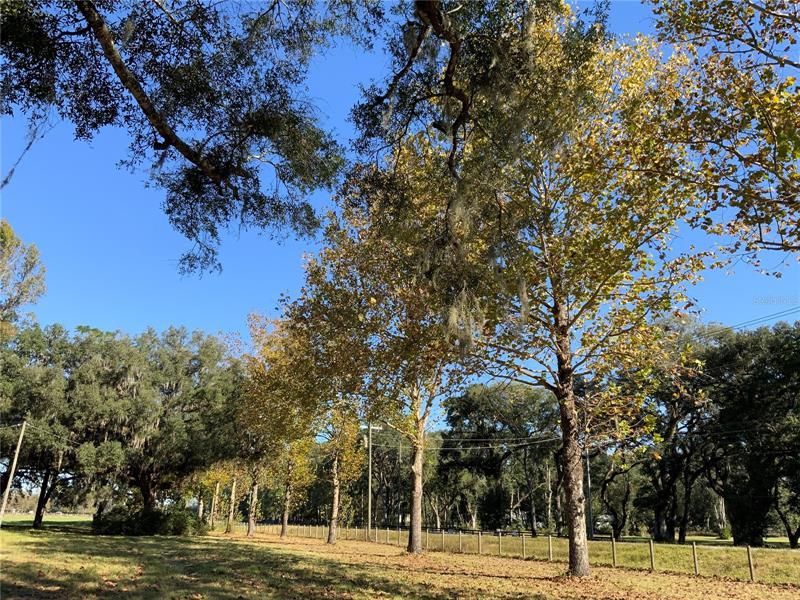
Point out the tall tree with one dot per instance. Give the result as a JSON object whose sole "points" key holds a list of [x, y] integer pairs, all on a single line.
{"points": [[575, 265], [382, 320], [210, 94]]}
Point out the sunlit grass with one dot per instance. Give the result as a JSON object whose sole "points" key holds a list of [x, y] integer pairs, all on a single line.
{"points": [[65, 561]]}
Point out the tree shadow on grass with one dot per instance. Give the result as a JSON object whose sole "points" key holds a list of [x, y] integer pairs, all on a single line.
{"points": [[159, 567]]}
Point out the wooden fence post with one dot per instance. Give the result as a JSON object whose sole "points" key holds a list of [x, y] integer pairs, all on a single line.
{"points": [[442, 540], [427, 538], [398, 535], [460, 547], [480, 546], [550, 547], [500, 543], [652, 556], [524, 554], [750, 565], [613, 551], [694, 558]]}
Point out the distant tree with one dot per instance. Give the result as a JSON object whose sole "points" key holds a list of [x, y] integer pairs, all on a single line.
{"points": [[752, 379], [21, 278], [210, 94], [516, 427], [194, 386], [343, 455]]}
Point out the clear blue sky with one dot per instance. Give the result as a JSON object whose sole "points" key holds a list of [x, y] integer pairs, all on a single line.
{"points": [[111, 255]]}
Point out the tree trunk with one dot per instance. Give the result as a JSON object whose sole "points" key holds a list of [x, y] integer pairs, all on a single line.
{"points": [[232, 507], [571, 459], [252, 509], [214, 503], [44, 495], [148, 494], [687, 501], [333, 525], [287, 499], [200, 508], [415, 526]]}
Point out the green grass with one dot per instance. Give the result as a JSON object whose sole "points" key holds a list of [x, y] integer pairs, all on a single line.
{"points": [[65, 560], [771, 565]]}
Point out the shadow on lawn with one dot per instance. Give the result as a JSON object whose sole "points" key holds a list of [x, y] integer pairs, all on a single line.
{"points": [[158, 567]]}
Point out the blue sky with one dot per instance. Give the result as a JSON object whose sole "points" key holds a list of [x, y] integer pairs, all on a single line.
{"points": [[111, 255]]}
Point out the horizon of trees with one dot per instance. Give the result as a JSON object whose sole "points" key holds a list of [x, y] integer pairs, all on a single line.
{"points": [[721, 457]]}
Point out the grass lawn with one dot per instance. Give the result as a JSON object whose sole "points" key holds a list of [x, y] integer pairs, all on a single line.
{"points": [[66, 561]]}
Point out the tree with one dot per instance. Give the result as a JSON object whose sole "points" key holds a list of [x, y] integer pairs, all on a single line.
{"points": [[281, 406], [21, 278], [752, 379], [188, 414], [343, 455], [576, 266], [209, 94], [508, 431], [366, 296], [741, 119]]}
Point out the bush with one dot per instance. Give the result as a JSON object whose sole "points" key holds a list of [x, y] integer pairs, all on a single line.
{"points": [[725, 533], [126, 521]]}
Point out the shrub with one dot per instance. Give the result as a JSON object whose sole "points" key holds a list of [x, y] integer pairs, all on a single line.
{"points": [[126, 521]]}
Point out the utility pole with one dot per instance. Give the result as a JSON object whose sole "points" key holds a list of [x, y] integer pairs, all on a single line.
{"points": [[12, 471]]}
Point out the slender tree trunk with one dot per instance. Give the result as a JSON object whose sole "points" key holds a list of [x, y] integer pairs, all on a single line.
{"points": [[334, 520], [214, 502], [687, 501], [571, 459], [200, 508], [287, 501], [44, 495], [415, 527], [252, 509], [232, 507]]}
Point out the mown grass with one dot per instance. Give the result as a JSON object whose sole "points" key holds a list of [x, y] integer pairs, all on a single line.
{"points": [[66, 561], [771, 565]]}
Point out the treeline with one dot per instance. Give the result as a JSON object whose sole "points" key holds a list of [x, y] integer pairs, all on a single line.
{"points": [[721, 454], [134, 427], [114, 419]]}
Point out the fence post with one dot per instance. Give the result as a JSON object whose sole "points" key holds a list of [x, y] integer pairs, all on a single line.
{"points": [[442, 539], [694, 558], [500, 544], [427, 538], [387, 535], [398, 535], [652, 556], [613, 551], [480, 547], [524, 553], [550, 547], [750, 565], [460, 547]]}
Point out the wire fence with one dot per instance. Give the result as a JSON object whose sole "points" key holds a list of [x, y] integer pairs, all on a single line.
{"points": [[766, 565]]}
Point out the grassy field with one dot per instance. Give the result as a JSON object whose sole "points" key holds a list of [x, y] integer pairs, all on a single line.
{"points": [[66, 561], [770, 565]]}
